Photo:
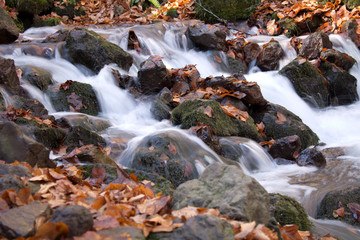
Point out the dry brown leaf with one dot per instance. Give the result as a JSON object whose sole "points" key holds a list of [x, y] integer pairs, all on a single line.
{"points": [[281, 119]]}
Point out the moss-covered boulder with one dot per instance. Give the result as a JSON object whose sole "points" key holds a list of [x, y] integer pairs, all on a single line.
{"points": [[332, 200], [190, 113], [29, 104], [33, 6], [232, 10], [308, 82], [161, 184], [38, 22], [75, 97], [111, 172], [91, 123], [2, 103], [8, 30], [351, 4], [290, 27], [79, 136], [37, 76], [287, 210], [280, 122], [93, 51]]}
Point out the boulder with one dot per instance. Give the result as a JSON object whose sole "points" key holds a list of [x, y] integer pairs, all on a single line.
{"points": [[2, 103], [45, 51], [200, 227], [8, 76], [79, 136], [308, 82], [336, 199], [11, 182], [227, 188], [236, 65], [270, 56], [15, 146], [314, 44], [115, 233], [8, 29], [341, 84], [91, 123], [96, 156], [160, 108], [280, 122], [290, 27], [208, 136], [287, 210], [231, 10], [311, 156], [207, 37], [18, 170], [93, 51], [78, 218], [75, 97], [251, 51], [349, 28], [37, 76], [58, 36], [20, 222], [153, 75], [342, 60], [111, 171], [286, 147], [161, 184], [30, 104], [190, 113], [33, 7]]}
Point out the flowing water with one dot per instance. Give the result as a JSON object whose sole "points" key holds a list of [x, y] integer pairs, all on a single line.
{"points": [[131, 118]]}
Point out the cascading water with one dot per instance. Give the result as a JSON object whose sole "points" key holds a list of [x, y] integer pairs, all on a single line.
{"points": [[336, 126]]}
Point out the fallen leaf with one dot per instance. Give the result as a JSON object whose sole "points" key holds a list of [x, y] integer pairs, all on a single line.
{"points": [[281, 119]]}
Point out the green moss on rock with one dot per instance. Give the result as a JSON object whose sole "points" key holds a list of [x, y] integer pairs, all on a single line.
{"points": [[287, 210], [46, 22], [231, 10], [292, 28], [111, 172], [351, 4]]}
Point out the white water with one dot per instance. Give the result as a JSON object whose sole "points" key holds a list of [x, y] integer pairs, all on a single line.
{"points": [[336, 126]]}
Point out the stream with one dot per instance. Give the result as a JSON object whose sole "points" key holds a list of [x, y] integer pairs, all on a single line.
{"points": [[131, 118]]}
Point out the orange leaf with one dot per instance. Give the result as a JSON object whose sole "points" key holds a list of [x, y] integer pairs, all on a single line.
{"points": [[281, 118], [172, 148], [98, 203], [105, 222], [218, 59]]}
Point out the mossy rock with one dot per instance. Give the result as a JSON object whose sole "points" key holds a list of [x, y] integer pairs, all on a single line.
{"points": [[231, 10], [351, 4], [331, 201], [292, 28], [190, 113], [308, 82], [46, 22], [93, 51], [111, 172], [80, 93], [33, 6], [292, 125], [287, 210], [37, 76], [161, 184], [2, 103], [79, 136]]}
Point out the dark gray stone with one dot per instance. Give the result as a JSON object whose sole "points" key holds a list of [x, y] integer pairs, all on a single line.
{"points": [[18, 170], [20, 221], [287, 147], [37, 76], [11, 182], [314, 44], [79, 136], [8, 76], [227, 188], [8, 29], [207, 37], [342, 60], [134, 232], [270, 56], [78, 218], [311, 156]]}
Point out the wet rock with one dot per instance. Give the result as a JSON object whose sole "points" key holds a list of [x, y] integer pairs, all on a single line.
{"points": [[11, 182], [33, 6], [251, 51], [333, 152], [15, 146], [111, 171], [161, 184], [230, 148], [76, 217], [20, 221], [208, 136], [292, 125], [170, 154], [231, 10], [30, 104], [95, 155], [342, 85], [8, 77], [349, 28], [270, 56], [283, 161], [286, 147], [93, 51], [207, 37], [290, 27], [37, 76], [227, 188], [337, 198], [342, 60], [311, 156], [79, 136], [8, 30], [160, 108], [91, 123], [308, 82], [238, 103], [58, 36], [45, 51], [2, 103], [287, 210], [190, 113], [201, 227], [153, 75], [18, 170], [134, 232], [313, 45], [75, 97]]}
